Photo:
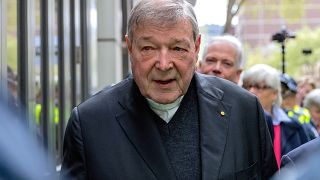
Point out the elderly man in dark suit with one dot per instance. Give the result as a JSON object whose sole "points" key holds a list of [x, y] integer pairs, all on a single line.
{"points": [[166, 121]]}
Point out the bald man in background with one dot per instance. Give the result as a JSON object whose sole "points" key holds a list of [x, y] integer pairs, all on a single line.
{"points": [[223, 57]]}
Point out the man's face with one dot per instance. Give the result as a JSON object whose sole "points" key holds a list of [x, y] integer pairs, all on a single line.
{"points": [[220, 60], [163, 60]]}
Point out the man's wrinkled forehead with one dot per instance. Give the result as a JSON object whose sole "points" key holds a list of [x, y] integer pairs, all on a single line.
{"points": [[158, 22], [151, 24], [184, 41]]}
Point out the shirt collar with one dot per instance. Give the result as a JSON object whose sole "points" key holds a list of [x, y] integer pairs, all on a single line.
{"points": [[165, 111], [279, 115]]}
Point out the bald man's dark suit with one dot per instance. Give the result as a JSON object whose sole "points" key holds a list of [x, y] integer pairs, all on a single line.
{"points": [[112, 135]]}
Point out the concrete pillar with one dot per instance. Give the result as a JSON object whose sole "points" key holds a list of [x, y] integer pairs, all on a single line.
{"points": [[109, 58]]}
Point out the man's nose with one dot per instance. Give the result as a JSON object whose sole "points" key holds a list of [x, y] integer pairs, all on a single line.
{"points": [[217, 68], [164, 61]]}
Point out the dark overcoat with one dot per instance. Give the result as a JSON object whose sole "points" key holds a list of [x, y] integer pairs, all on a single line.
{"points": [[112, 135]]}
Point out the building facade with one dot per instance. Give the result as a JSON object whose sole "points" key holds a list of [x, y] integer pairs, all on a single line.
{"points": [[259, 19]]}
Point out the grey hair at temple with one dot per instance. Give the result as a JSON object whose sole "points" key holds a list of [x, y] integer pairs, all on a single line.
{"points": [[161, 13]]}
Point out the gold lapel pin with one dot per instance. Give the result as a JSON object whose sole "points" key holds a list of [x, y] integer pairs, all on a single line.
{"points": [[222, 113]]}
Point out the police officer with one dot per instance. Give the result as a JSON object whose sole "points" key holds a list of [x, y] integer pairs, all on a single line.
{"points": [[294, 111]]}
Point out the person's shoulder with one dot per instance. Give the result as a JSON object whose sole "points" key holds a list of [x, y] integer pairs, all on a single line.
{"points": [[306, 149], [228, 88], [293, 124], [301, 163], [118, 87], [109, 94], [211, 81]]}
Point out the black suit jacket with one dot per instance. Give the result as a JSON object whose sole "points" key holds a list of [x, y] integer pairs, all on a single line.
{"points": [[112, 135], [293, 135]]}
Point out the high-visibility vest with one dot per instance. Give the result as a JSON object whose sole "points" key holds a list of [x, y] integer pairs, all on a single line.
{"points": [[301, 114], [38, 114]]}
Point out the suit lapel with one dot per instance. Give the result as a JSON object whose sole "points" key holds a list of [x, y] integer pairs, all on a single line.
{"points": [[138, 124], [214, 121]]}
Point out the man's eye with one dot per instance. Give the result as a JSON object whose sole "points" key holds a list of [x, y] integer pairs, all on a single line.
{"points": [[211, 60], [147, 48], [227, 64], [178, 49]]}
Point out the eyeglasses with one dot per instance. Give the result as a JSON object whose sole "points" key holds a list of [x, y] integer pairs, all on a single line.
{"points": [[256, 86]]}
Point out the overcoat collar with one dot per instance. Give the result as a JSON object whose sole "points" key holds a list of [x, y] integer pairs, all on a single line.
{"points": [[136, 121]]}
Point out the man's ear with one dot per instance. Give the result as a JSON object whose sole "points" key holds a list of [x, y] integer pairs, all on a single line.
{"points": [[199, 65], [197, 43], [129, 44], [239, 71]]}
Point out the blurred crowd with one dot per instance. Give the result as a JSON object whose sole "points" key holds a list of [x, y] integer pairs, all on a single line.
{"points": [[291, 106]]}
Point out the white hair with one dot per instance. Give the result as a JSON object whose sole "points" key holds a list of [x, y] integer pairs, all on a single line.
{"points": [[262, 73], [312, 99], [161, 13], [231, 40]]}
